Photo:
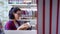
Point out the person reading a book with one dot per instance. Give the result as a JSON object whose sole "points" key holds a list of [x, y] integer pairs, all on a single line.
{"points": [[13, 23]]}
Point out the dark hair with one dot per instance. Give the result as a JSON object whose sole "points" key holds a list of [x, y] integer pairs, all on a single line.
{"points": [[13, 10]]}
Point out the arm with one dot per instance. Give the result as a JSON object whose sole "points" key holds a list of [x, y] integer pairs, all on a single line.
{"points": [[23, 27]]}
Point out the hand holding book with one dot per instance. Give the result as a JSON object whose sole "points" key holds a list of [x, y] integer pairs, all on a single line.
{"points": [[24, 26]]}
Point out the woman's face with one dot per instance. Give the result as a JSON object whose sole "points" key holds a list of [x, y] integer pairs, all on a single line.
{"points": [[17, 15]]}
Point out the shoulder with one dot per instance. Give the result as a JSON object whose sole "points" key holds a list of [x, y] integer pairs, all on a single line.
{"points": [[9, 23]]}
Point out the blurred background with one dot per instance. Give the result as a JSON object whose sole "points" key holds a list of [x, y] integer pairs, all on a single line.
{"points": [[28, 7]]}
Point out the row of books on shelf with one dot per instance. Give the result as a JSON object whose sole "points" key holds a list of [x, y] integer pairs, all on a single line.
{"points": [[20, 2], [29, 13]]}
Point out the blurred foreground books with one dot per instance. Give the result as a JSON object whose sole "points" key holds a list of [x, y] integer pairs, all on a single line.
{"points": [[1, 28]]}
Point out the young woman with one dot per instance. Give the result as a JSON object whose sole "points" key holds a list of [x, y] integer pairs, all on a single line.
{"points": [[13, 23]]}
